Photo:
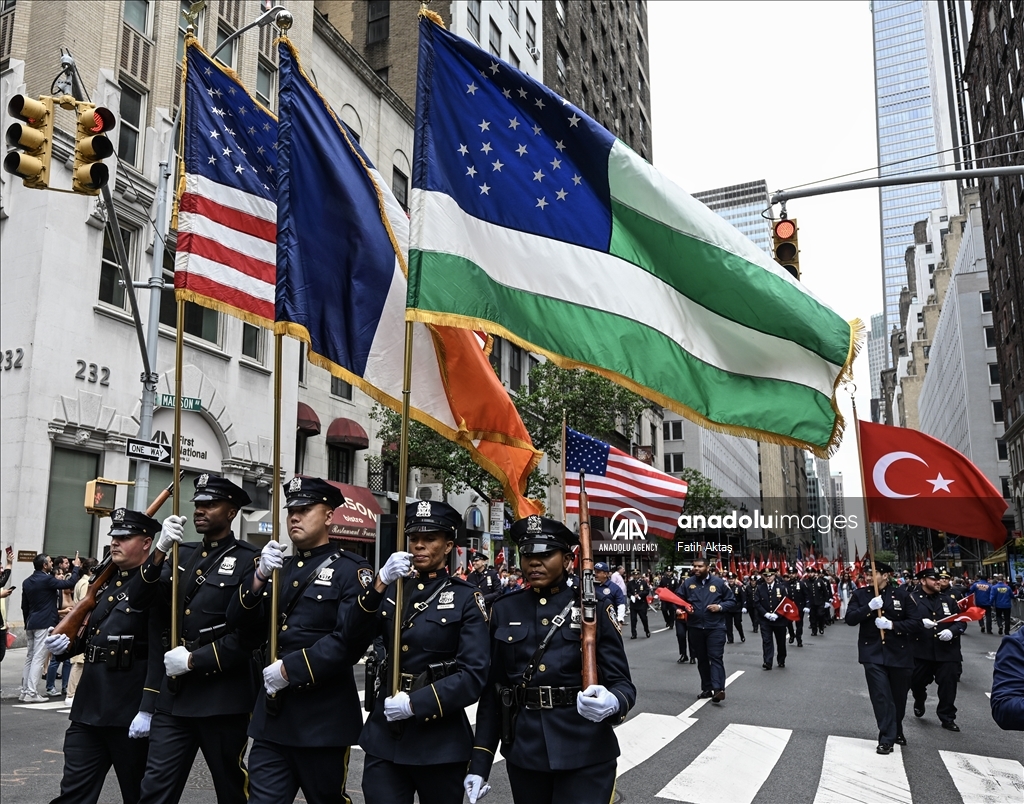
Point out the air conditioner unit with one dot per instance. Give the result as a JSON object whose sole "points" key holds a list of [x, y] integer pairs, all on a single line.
{"points": [[533, 51], [430, 491]]}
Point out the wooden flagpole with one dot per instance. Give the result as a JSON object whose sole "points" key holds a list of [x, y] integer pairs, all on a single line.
{"points": [[401, 543], [851, 389], [565, 495], [275, 504], [179, 346]]}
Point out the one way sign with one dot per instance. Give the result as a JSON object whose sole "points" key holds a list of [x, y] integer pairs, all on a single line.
{"points": [[147, 451]]}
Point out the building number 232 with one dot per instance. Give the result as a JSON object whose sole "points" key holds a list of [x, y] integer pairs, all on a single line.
{"points": [[92, 373], [11, 359]]}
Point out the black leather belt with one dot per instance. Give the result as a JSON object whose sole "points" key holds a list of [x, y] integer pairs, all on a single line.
{"points": [[546, 697], [103, 653], [408, 682]]}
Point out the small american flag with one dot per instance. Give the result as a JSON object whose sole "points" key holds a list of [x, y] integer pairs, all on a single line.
{"points": [[615, 481], [227, 211]]}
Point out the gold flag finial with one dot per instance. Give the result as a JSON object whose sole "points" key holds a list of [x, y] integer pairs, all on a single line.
{"points": [[433, 16]]}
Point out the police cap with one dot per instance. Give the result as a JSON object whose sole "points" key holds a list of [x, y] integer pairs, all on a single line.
{"points": [[538, 534], [476, 555], [928, 572], [132, 523], [432, 516], [601, 566], [302, 491], [210, 488], [944, 573], [881, 566]]}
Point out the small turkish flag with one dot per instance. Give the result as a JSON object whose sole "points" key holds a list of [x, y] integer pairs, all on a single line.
{"points": [[970, 615], [788, 609], [966, 603], [667, 594], [914, 479]]}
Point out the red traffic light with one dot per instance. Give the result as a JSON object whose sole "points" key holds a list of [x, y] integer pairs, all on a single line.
{"points": [[785, 229], [97, 120]]}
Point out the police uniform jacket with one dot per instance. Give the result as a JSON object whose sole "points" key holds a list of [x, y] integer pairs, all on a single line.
{"points": [[223, 679], [318, 587], [638, 591], [609, 591], [121, 675], [445, 620], [798, 591], [926, 644], [701, 595], [556, 738], [898, 606], [1002, 595], [820, 592], [488, 583], [767, 600]]}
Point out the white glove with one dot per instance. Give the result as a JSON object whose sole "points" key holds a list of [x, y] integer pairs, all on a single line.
{"points": [[744, 611], [875, 603], [172, 531], [271, 558], [883, 624], [476, 787], [929, 623], [595, 703], [772, 616], [273, 678], [397, 566], [57, 644], [140, 726], [622, 612], [807, 610], [176, 661], [945, 635], [397, 707]]}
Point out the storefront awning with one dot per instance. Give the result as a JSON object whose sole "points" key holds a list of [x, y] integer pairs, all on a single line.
{"points": [[307, 423], [347, 433], [998, 557], [356, 520]]}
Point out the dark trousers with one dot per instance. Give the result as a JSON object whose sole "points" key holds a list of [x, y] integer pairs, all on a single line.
{"points": [[278, 772], [396, 784], [174, 742], [708, 645], [986, 621], [798, 628], [594, 784], [681, 636], [668, 612], [733, 619], [887, 689], [753, 619], [642, 614], [944, 674], [89, 751], [770, 631], [1002, 621], [817, 618]]}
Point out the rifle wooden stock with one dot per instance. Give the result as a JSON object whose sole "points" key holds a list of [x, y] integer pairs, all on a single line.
{"points": [[588, 634], [76, 619]]}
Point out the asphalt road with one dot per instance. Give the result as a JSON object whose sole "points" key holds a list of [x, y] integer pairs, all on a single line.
{"points": [[766, 744]]}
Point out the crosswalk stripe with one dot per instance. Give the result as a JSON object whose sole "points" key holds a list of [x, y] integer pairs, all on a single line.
{"points": [[48, 705], [844, 780], [985, 780], [641, 737], [712, 779]]}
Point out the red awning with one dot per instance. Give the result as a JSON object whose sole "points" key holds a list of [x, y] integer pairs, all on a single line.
{"points": [[356, 520], [307, 422], [347, 433]]}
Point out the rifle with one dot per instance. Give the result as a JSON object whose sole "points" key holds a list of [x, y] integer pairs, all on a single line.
{"points": [[75, 621], [588, 634]]}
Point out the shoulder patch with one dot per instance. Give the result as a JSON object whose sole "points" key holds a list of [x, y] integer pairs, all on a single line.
{"points": [[365, 576], [479, 598], [611, 616]]}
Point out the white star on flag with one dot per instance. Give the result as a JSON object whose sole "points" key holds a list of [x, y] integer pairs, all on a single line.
{"points": [[556, 164], [539, 103], [537, 129], [486, 148], [574, 120], [215, 134], [577, 179], [463, 149], [513, 123], [484, 189], [538, 175], [494, 68], [559, 146], [561, 195], [484, 125], [498, 165], [521, 149], [941, 483], [239, 168], [471, 171], [542, 202], [522, 93], [471, 88], [227, 152]]}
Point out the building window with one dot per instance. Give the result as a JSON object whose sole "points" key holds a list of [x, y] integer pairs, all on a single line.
{"points": [[68, 526], [927, 248], [227, 55], [339, 464], [302, 363], [993, 374], [533, 363], [515, 368], [378, 21], [986, 301], [112, 290], [672, 431], [531, 35], [400, 187], [264, 82], [253, 342], [340, 388], [1001, 451], [990, 337], [673, 462], [130, 129], [561, 57], [136, 14], [513, 13], [1004, 483], [383, 74], [560, 11], [513, 59], [473, 7], [201, 322], [654, 438], [496, 355], [997, 411], [494, 41]]}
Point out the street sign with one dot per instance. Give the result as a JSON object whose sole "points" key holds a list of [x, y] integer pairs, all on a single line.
{"points": [[187, 402], [147, 451]]}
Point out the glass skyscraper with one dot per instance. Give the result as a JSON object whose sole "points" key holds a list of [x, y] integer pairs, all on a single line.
{"points": [[742, 205]]}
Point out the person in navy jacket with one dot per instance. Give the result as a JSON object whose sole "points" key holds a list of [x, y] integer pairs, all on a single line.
{"points": [[982, 591], [1008, 683], [1002, 600], [712, 600], [39, 608]]}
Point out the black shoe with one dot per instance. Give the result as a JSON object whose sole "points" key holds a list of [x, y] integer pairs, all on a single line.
{"points": [[705, 694], [718, 697], [693, 660], [648, 634], [782, 664], [682, 660], [901, 740], [918, 710], [766, 666], [728, 642], [632, 636], [800, 643], [951, 726], [1000, 634], [791, 640], [884, 748], [743, 639]]}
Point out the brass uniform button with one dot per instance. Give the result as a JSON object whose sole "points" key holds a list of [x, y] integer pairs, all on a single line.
{"points": [[542, 668], [110, 599], [419, 586], [544, 621], [443, 620], [284, 627], [117, 584], [301, 563], [204, 554], [543, 601], [405, 648], [295, 583], [510, 639], [199, 572], [188, 611]]}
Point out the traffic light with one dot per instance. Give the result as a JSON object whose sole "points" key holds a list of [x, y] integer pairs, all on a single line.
{"points": [[34, 136], [785, 248], [99, 497], [91, 147]]}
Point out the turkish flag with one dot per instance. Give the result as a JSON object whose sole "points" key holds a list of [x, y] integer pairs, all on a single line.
{"points": [[966, 603], [970, 615], [788, 609], [667, 594], [914, 479]]}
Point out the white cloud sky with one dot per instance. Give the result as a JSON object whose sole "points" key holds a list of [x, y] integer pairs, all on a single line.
{"points": [[781, 91]]}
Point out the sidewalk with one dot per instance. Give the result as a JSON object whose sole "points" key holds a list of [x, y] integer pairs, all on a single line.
{"points": [[10, 673]]}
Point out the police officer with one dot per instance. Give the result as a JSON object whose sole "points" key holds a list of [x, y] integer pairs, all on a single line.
{"points": [[638, 590], [557, 738], [936, 649], [767, 598], [1002, 600], [819, 593], [485, 580], [798, 592], [735, 617], [747, 601], [606, 588], [982, 591], [209, 687], [887, 623], [418, 740], [946, 584], [110, 717], [712, 602], [294, 745], [668, 610]]}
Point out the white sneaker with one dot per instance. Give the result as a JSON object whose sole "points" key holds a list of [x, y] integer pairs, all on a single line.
{"points": [[69, 700], [35, 697], [23, 698]]}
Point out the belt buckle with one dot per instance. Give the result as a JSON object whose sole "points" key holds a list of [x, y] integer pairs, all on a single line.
{"points": [[406, 681], [200, 580], [546, 701], [90, 653]]}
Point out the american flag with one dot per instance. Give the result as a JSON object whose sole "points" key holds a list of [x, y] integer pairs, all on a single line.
{"points": [[615, 481], [227, 211]]}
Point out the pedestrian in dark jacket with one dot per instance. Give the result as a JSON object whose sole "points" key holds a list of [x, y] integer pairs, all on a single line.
{"points": [[712, 602], [1008, 683], [39, 607], [936, 649]]}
